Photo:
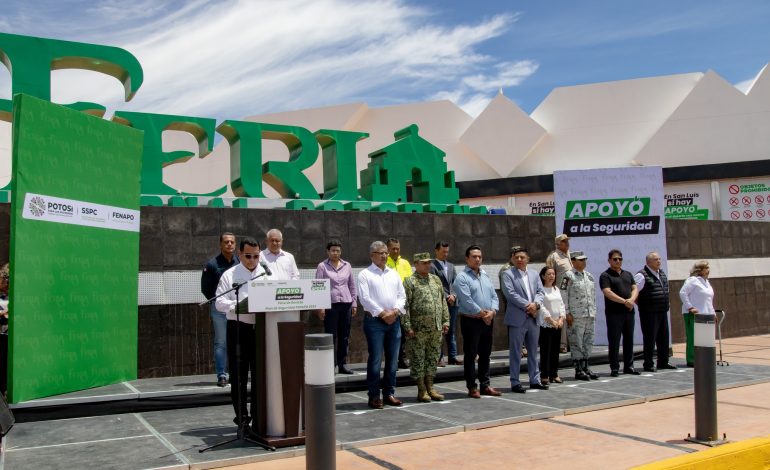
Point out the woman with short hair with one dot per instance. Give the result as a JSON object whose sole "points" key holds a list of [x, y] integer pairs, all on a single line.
{"points": [[342, 284], [697, 297]]}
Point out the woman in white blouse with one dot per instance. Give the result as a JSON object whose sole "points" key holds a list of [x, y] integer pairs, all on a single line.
{"points": [[551, 321], [697, 297]]}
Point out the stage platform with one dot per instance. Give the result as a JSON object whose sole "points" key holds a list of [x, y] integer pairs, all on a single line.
{"points": [[171, 438], [201, 390]]}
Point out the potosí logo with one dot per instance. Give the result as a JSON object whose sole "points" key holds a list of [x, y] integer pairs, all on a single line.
{"points": [[59, 208], [599, 217], [289, 293]]}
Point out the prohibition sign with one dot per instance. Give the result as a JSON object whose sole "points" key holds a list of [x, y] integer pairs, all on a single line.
{"points": [[734, 189], [734, 201], [759, 199], [746, 200], [735, 215], [747, 214], [760, 213]]}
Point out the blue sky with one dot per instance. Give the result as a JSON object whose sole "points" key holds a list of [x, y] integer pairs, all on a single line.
{"points": [[230, 59]]}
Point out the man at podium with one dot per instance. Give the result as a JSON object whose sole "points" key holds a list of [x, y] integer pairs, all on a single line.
{"points": [[247, 269]]}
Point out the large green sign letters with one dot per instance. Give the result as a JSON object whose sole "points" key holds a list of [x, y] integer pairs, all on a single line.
{"points": [[410, 160]]}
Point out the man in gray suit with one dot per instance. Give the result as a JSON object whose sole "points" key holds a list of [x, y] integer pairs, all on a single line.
{"points": [[445, 271], [523, 292]]}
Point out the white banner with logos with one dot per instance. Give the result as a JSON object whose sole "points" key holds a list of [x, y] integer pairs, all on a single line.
{"points": [[689, 201], [70, 211], [745, 199], [279, 296], [614, 208]]}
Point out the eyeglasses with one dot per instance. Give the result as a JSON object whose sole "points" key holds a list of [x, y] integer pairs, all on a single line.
{"points": [[617, 259], [381, 253], [248, 256]]}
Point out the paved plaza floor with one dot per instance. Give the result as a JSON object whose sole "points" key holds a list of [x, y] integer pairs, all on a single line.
{"points": [[607, 423]]}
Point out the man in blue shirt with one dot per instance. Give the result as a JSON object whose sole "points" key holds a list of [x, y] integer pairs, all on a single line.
{"points": [[478, 303]]}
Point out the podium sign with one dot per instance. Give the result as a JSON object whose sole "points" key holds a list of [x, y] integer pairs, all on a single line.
{"points": [[280, 296]]}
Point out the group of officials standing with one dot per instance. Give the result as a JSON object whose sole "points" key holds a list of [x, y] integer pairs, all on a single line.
{"points": [[408, 311]]}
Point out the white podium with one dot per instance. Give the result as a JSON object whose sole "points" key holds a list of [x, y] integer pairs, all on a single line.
{"points": [[280, 337]]}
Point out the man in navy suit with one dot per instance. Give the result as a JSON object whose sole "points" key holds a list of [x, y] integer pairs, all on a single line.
{"points": [[446, 272], [523, 292]]}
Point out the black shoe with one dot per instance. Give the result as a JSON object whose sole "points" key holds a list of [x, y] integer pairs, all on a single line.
{"points": [[403, 365], [614, 373], [222, 381], [518, 389], [455, 361], [667, 366], [538, 387], [650, 369], [591, 374], [631, 371], [580, 375], [345, 370]]}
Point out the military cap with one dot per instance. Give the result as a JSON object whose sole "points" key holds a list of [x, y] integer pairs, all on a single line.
{"points": [[578, 255]]}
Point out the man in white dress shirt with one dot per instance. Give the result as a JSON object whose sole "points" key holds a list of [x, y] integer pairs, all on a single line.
{"points": [[382, 295], [281, 263], [240, 327]]}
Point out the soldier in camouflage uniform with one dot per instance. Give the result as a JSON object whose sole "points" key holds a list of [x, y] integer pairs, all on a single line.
{"points": [[427, 318], [579, 294]]}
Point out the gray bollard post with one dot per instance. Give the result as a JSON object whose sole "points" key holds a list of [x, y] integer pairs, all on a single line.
{"points": [[706, 431], [320, 435]]}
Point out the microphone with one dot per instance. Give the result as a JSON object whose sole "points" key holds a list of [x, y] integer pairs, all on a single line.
{"points": [[264, 266]]}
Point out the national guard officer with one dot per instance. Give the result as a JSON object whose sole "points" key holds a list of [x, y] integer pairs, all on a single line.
{"points": [[427, 318], [579, 295]]}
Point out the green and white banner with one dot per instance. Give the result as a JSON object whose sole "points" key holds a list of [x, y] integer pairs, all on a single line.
{"points": [[689, 201], [74, 251], [613, 208]]}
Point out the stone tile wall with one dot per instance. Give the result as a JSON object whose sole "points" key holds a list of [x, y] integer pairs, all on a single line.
{"points": [[176, 339]]}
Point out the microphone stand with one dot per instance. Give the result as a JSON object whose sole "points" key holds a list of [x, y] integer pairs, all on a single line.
{"points": [[243, 433]]}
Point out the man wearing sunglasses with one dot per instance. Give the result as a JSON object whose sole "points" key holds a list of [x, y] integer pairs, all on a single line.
{"points": [[247, 269], [619, 288]]}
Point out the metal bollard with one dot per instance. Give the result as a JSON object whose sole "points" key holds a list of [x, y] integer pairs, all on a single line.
{"points": [[706, 431], [320, 435]]}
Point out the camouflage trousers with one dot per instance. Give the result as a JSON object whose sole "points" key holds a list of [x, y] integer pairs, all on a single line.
{"points": [[581, 337], [423, 352]]}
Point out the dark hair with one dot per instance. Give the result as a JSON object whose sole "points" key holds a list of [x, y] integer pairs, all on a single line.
{"points": [[440, 244], [471, 248], [518, 249], [333, 242], [249, 241], [613, 251], [545, 270], [392, 241], [225, 234]]}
